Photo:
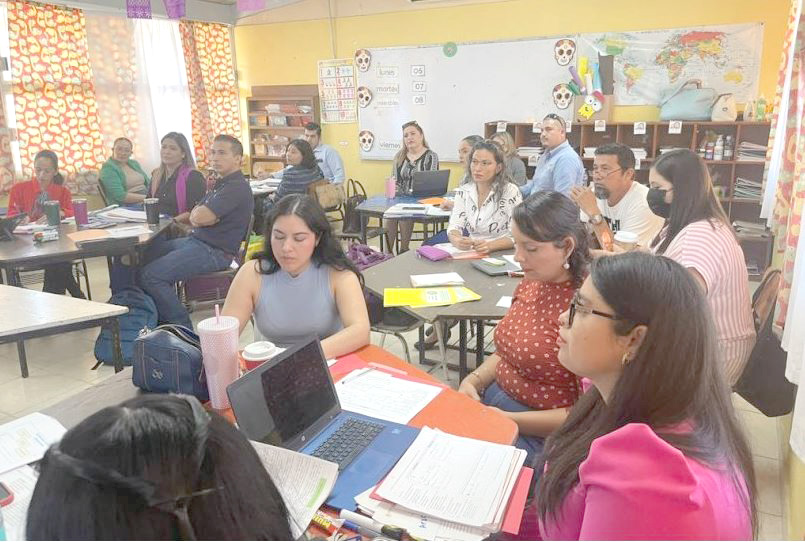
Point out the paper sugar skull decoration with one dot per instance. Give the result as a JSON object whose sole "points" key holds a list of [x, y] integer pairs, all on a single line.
{"points": [[590, 107], [366, 139], [363, 59], [562, 96], [364, 96], [563, 51]]}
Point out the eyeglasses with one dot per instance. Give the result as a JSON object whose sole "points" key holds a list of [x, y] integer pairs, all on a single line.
{"points": [[575, 306], [410, 123], [557, 118], [604, 173]]}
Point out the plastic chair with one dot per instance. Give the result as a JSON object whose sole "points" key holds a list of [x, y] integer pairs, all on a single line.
{"points": [[396, 322], [102, 192]]}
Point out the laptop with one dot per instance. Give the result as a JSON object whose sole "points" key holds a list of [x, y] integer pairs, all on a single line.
{"points": [[290, 401], [426, 184], [8, 225]]}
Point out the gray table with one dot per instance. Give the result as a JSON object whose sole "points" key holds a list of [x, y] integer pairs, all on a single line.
{"points": [[28, 314], [376, 207], [396, 273]]}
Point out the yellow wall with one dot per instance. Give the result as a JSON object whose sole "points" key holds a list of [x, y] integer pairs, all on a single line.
{"points": [[286, 53]]}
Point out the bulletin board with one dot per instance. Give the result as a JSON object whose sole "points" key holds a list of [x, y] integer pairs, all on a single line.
{"points": [[451, 89]]}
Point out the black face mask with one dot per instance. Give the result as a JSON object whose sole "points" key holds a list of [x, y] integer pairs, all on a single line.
{"points": [[656, 202], [601, 192]]}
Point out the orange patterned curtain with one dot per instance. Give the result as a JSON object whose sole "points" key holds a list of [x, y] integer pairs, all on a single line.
{"points": [[213, 89], [787, 220], [53, 90], [6, 159]]}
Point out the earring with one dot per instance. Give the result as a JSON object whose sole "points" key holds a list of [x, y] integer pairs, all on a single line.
{"points": [[566, 265], [625, 359]]}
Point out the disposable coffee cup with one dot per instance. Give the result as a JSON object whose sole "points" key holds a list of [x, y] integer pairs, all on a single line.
{"points": [[51, 208], [258, 353], [80, 212], [152, 210], [626, 240]]}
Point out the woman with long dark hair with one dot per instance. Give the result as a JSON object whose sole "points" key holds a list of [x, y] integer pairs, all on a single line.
{"points": [[30, 198], [176, 182], [698, 235], [302, 169], [523, 377], [653, 450], [302, 284], [156, 467]]}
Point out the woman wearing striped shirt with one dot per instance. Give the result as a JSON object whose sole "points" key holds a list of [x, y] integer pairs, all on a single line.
{"points": [[697, 234], [302, 169]]}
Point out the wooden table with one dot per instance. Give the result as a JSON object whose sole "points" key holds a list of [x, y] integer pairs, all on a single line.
{"points": [[396, 273], [376, 207], [450, 411], [27, 314]]}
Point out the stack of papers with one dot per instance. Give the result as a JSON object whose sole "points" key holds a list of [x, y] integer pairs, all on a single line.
{"points": [[381, 395], [751, 151], [436, 279], [414, 209], [589, 152], [454, 479], [746, 188], [124, 215], [639, 153], [427, 297], [750, 229]]}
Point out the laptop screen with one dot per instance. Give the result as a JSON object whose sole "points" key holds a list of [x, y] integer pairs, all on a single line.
{"points": [[285, 396]]}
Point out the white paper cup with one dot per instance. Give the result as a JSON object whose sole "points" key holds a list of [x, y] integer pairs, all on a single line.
{"points": [[259, 352], [626, 239]]}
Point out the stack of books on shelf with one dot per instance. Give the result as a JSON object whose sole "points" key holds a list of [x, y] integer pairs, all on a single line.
{"points": [[744, 188], [589, 152], [665, 149], [750, 151], [528, 152], [750, 229]]}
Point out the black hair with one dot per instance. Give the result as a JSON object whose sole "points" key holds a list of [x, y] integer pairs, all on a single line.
{"points": [[674, 379], [624, 154], [311, 126], [551, 217], [328, 250], [694, 198], [237, 146], [308, 158], [119, 139], [473, 139], [502, 177], [50, 155], [184, 145], [553, 116], [111, 476]]}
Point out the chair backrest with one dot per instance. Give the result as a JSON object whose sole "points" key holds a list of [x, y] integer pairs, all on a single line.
{"points": [[102, 192], [244, 246], [355, 188], [765, 297], [329, 196]]}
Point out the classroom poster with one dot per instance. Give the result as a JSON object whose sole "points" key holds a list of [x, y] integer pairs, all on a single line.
{"points": [[337, 91], [647, 63]]}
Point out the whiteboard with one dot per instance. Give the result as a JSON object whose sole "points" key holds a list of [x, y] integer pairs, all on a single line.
{"points": [[452, 97]]}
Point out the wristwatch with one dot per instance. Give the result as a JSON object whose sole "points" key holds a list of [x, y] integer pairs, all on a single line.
{"points": [[595, 220]]}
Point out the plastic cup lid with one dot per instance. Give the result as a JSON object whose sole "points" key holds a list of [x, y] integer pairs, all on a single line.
{"points": [[218, 325], [259, 351]]}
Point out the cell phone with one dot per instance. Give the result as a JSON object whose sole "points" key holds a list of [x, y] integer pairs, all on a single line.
{"points": [[494, 261], [6, 496]]}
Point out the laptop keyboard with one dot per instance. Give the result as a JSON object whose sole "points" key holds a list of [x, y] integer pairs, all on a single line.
{"points": [[348, 441]]}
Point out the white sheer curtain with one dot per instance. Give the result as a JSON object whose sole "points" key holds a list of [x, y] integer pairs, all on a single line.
{"points": [[794, 343], [161, 74]]}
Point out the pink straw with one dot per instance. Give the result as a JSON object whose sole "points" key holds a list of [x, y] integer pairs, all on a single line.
{"points": [[217, 314]]}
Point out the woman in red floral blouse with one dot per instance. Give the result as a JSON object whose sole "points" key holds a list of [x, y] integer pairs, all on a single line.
{"points": [[524, 378]]}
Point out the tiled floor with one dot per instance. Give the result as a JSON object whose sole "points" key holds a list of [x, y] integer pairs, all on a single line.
{"points": [[60, 366]]}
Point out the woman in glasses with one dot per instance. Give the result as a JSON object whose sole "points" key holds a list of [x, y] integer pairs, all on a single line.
{"points": [[523, 378], [414, 155], [156, 467], [653, 450], [698, 235]]}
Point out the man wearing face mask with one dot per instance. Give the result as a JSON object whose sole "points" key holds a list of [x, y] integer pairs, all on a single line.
{"points": [[617, 202]]}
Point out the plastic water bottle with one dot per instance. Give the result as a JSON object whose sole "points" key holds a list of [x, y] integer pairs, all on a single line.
{"points": [[2, 526]]}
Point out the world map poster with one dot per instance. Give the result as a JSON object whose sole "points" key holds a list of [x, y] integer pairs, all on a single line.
{"points": [[647, 63]]}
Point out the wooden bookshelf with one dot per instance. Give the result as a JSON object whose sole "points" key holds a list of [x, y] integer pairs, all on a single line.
{"points": [[757, 250], [278, 114]]}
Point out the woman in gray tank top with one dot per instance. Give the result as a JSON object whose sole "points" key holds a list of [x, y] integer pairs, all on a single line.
{"points": [[302, 284]]}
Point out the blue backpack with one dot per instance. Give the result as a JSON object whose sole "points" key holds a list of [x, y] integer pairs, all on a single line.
{"points": [[142, 313]]}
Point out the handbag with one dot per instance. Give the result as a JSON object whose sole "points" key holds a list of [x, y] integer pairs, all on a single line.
{"points": [[167, 359], [725, 109], [688, 102], [356, 194], [328, 195], [432, 253]]}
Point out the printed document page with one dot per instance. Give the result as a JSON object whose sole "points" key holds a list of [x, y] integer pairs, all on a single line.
{"points": [[381, 395], [26, 439]]}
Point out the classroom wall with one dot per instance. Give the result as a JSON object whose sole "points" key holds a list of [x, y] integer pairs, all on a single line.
{"points": [[286, 53]]}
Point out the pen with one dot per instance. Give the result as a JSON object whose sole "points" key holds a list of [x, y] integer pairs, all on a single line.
{"points": [[515, 273]]}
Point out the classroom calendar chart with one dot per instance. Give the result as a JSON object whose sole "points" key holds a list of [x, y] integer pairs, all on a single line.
{"points": [[337, 91], [724, 57], [452, 89]]}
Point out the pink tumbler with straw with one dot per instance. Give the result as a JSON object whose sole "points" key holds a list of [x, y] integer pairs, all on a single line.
{"points": [[219, 350], [391, 187]]}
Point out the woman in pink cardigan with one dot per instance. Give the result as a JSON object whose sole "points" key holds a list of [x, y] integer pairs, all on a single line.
{"points": [[653, 450]]}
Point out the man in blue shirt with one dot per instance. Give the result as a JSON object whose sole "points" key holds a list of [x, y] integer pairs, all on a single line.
{"points": [[559, 168], [327, 157], [219, 221]]}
